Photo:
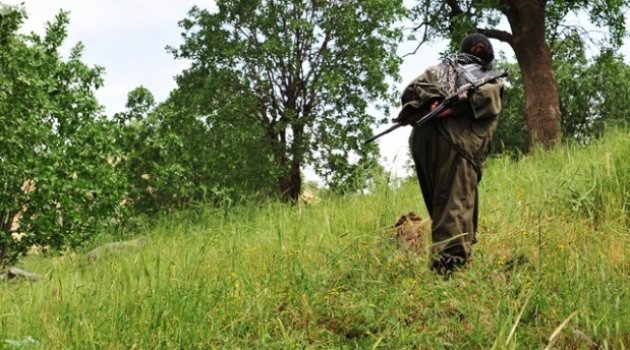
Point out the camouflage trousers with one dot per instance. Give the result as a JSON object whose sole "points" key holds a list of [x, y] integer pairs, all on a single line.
{"points": [[448, 182]]}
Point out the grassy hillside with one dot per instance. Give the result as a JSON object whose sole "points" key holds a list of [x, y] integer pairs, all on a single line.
{"points": [[552, 262]]}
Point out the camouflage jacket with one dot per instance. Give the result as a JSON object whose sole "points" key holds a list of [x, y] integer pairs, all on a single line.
{"points": [[473, 121]]}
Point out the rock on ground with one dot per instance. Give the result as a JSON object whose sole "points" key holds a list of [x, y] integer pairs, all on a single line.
{"points": [[411, 232], [14, 272], [96, 253]]}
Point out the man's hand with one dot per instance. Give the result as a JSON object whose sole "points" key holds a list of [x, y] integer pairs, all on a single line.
{"points": [[448, 112]]}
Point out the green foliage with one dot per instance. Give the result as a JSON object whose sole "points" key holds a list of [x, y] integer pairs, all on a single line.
{"points": [[553, 241], [438, 20], [301, 73], [592, 96], [173, 158], [455, 19], [609, 14], [59, 175], [511, 133]]}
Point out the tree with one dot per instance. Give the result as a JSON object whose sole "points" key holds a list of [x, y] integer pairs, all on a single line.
{"points": [[592, 93], [173, 158], [302, 72], [534, 24], [59, 176]]}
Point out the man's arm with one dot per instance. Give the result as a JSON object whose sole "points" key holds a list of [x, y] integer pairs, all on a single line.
{"points": [[419, 96], [484, 102]]}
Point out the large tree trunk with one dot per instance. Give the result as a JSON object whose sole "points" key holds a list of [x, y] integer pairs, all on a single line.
{"points": [[542, 104], [291, 183]]}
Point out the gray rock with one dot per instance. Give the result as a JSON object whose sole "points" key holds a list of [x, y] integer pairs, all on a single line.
{"points": [[96, 253], [14, 272], [22, 343]]}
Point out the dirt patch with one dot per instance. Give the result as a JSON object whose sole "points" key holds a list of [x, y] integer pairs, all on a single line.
{"points": [[411, 232]]}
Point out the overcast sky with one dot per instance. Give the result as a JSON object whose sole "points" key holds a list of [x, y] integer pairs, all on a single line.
{"points": [[128, 38]]}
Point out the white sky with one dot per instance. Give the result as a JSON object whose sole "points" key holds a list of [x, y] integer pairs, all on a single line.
{"points": [[128, 38]]}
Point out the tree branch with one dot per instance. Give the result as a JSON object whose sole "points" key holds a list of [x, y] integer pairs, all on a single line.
{"points": [[496, 34], [422, 41], [455, 8]]}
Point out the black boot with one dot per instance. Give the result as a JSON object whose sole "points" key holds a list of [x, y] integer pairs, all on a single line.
{"points": [[449, 260]]}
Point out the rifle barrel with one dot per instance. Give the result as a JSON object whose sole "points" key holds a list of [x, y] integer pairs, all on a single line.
{"points": [[392, 128]]}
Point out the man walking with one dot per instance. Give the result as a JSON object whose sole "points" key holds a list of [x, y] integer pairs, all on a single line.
{"points": [[450, 150]]}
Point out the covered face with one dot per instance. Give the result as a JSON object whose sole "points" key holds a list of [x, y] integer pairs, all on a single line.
{"points": [[479, 45]]}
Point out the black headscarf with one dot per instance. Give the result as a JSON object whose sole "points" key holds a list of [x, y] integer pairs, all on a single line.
{"points": [[486, 55]]}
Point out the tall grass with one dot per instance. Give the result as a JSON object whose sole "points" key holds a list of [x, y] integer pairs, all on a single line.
{"points": [[551, 271]]}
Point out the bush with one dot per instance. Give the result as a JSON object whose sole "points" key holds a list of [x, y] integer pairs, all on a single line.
{"points": [[60, 178]]}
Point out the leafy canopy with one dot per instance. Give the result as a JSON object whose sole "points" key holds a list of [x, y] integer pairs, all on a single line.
{"points": [[303, 73], [454, 19]]}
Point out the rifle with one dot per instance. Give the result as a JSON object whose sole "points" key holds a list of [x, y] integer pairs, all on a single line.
{"points": [[448, 102]]}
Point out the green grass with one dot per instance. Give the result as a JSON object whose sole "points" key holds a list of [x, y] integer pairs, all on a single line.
{"points": [[552, 260]]}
